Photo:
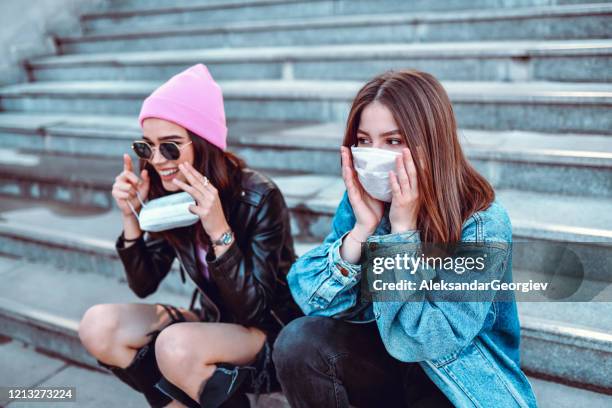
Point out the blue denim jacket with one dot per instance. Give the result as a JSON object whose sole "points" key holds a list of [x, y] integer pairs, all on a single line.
{"points": [[470, 350]]}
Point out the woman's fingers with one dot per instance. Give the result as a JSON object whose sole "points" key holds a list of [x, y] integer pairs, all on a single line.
{"points": [[343, 157], [188, 175], [410, 169], [199, 211], [346, 171], [127, 174], [197, 181], [197, 176], [205, 182], [132, 179], [127, 196], [402, 175], [351, 189], [349, 158], [349, 181], [121, 195], [123, 186], [145, 183], [395, 186], [347, 166], [354, 189], [127, 162], [193, 192]]}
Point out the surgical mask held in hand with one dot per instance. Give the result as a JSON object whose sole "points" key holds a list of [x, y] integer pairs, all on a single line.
{"points": [[372, 166], [168, 212]]}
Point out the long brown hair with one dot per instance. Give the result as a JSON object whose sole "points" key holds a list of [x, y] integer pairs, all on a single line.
{"points": [[222, 168], [450, 189]]}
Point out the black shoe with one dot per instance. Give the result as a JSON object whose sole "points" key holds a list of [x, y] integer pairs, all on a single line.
{"points": [[143, 373], [175, 393], [226, 380]]}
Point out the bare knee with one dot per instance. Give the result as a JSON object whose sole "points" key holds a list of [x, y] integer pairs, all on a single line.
{"points": [[173, 350], [98, 329]]}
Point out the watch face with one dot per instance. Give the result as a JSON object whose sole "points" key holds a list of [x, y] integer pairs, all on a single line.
{"points": [[226, 238]]}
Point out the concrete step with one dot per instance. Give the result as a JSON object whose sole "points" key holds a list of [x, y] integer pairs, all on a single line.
{"points": [[352, 5], [154, 14], [551, 394], [562, 164], [71, 237], [538, 106], [576, 326], [24, 365], [550, 23], [43, 305], [565, 61], [34, 309], [50, 225]]}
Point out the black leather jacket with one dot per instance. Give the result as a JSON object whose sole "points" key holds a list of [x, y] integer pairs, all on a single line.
{"points": [[247, 284]]}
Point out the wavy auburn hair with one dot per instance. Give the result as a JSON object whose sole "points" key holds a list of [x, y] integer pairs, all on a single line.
{"points": [[450, 189]]}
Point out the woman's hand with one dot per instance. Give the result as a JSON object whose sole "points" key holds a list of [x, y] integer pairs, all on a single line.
{"points": [[127, 184], [208, 207], [405, 202], [368, 210]]}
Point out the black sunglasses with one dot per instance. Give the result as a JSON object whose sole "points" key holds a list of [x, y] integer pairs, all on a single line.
{"points": [[169, 150]]}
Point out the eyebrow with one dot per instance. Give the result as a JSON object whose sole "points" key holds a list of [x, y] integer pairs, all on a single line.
{"points": [[389, 133], [169, 137]]}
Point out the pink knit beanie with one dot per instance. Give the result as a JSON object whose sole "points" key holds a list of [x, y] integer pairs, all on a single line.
{"points": [[193, 100]]}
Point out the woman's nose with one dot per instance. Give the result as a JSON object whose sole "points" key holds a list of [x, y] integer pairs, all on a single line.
{"points": [[157, 157]]}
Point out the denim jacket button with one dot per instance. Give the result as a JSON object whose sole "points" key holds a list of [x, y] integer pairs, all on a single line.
{"points": [[372, 246]]}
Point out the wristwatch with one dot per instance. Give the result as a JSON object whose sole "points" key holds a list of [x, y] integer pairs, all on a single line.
{"points": [[226, 238]]}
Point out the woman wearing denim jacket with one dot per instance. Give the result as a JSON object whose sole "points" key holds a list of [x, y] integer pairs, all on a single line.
{"points": [[425, 353]]}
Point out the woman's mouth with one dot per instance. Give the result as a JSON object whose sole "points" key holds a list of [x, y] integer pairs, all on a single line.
{"points": [[168, 174]]}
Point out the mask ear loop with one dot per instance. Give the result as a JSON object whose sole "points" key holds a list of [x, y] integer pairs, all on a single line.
{"points": [[132, 207]]}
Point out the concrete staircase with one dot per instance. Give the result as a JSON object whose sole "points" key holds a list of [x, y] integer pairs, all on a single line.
{"points": [[531, 85]]}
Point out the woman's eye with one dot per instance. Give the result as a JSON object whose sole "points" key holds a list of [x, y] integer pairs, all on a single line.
{"points": [[394, 142], [362, 140]]}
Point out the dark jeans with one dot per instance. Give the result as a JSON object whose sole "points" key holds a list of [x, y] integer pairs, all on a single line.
{"points": [[323, 362]]}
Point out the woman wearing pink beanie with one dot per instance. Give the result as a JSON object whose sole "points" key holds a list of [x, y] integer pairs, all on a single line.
{"points": [[237, 254]]}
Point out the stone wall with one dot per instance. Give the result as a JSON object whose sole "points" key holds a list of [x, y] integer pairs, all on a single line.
{"points": [[27, 27]]}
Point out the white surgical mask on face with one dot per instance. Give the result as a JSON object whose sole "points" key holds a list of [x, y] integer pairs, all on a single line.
{"points": [[168, 212], [372, 166]]}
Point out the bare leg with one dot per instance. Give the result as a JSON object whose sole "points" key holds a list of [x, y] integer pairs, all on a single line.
{"points": [[113, 333], [187, 352]]}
